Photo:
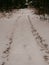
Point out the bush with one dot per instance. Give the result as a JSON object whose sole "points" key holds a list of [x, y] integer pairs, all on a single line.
{"points": [[42, 5], [10, 4]]}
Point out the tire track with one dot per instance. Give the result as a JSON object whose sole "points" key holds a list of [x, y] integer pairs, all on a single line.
{"points": [[41, 42], [6, 52]]}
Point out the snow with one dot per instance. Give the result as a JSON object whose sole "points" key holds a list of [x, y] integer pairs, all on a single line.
{"points": [[18, 44]]}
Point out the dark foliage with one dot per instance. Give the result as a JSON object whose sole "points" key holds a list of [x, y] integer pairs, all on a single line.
{"points": [[41, 5], [10, 4]]}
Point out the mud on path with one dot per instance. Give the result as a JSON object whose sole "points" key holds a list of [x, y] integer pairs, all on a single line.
{"points": [[6, 52], [40, 41]]}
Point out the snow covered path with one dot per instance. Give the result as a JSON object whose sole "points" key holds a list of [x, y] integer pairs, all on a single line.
{"points": [[17, 41]]}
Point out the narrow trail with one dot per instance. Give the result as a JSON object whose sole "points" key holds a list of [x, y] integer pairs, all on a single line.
{"points": [[24, 50], [25, 45]]}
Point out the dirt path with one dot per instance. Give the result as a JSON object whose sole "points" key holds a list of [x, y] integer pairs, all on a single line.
{"points": [[22, 47], [24, 50]]}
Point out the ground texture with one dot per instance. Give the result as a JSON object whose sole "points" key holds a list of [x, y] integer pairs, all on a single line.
{"points": [[24, 38]]}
